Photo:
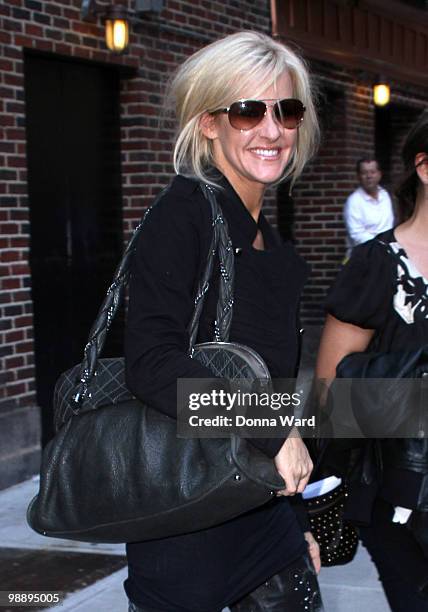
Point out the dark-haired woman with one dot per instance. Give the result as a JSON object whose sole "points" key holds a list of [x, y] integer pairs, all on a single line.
{"points": [[380, 302]]}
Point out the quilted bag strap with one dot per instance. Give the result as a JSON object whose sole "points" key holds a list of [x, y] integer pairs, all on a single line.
{"points": [[220, 242]]}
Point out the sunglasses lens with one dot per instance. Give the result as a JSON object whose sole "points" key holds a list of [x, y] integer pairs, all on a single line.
{"points": [[246, 114], [289, 113]]}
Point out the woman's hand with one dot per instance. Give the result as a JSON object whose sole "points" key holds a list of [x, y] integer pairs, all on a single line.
{"points": [[314, 550], [294, 464]]}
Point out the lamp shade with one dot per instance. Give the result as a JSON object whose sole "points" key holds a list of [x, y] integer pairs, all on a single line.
{"points": [[381, 94], [117, 34]]}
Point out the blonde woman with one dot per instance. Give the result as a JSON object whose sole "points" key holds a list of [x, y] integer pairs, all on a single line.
{"points": [[246, 121]]}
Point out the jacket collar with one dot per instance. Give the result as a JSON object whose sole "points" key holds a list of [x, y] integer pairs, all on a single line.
{"points": [[242, 226]]}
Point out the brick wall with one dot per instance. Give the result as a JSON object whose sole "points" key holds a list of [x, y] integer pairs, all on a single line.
{"points": [[156, 46]]}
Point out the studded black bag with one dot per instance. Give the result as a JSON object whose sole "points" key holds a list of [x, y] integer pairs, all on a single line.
{"points": [[116, 471], [338, 539]]}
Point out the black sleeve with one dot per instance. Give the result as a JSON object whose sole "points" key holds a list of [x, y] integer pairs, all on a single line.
{"points": [[363, 290], [166, 267], [164, 275]]}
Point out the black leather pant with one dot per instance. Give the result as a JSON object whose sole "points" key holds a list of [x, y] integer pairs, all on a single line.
{"points": [[294, 589]]}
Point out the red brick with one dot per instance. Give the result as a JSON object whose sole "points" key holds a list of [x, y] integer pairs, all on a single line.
{"points": [[23, 41], [5, 38], [14, 336], [44, 45], [16, 162], [16, 389], [19, 270], [71, 14], [19, 242], [33, 30], [52, 9], [62, 48], [17, 188], [10, 228], [24, 347], [15, 134], [14, 362], [14, 79], [23, 321], [10, 256], [7, 120], [6, 65], [10, 283]]}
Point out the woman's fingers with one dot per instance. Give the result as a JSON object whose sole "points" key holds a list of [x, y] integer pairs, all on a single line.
{"points": [[314, 550], [290, 483], [294, 464], [305, 476], [295, 480], [302, 484]]}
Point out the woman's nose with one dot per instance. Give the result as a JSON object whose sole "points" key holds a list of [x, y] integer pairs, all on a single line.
{"points": [[270, 127]]}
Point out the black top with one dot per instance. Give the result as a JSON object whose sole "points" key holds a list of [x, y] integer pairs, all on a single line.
{"points": [[209, 569], [385, 292], [377, 291]]}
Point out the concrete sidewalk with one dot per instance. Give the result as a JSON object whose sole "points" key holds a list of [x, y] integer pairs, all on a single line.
{"points": [[351, 588]]}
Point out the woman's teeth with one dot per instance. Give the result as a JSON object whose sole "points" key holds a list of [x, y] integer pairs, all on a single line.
{"points": [[266, 152]]}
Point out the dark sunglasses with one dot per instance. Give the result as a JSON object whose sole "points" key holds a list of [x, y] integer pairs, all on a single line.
{"points": [[246, 114]]}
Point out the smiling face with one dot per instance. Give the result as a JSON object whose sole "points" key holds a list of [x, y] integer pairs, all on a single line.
{"points": [[255, 158]]}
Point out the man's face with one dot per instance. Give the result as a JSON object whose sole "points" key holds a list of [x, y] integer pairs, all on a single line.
{"points": [[369, 176]]}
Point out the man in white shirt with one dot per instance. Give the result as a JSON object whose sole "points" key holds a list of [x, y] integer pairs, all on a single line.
{"points": [[368, 210]]}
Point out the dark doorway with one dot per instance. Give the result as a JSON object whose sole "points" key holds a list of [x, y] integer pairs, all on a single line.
{"points": [[75, 209], [393, 123]]}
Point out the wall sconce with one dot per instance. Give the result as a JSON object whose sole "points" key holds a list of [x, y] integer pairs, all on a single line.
{"points": [[381, 92], [117, 28], [117, 19]]}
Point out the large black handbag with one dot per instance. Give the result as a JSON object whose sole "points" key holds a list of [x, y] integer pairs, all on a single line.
{"points": [[116, 470]]}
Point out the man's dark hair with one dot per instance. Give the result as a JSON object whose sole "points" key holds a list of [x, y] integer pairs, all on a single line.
{"points": [[366, 160]]}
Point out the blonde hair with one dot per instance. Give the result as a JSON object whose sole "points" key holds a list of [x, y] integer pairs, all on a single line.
{"points": [[216, 75]]}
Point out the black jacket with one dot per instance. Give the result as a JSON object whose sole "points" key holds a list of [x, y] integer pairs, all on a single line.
{"points": [[410, 454], [211, 568]]}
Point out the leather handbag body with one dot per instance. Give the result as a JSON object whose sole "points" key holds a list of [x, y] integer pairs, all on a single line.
{"points": [[388, 392], [115, 470]]}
